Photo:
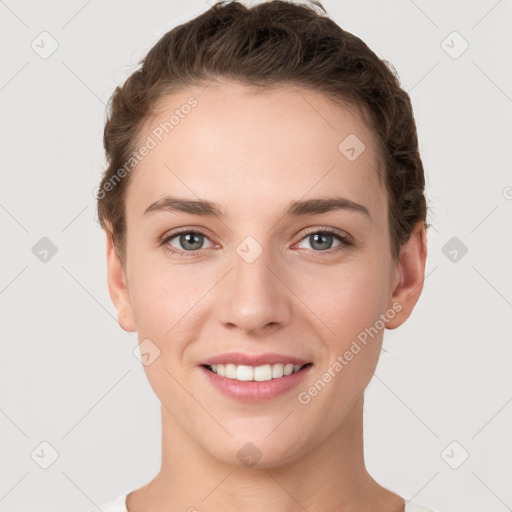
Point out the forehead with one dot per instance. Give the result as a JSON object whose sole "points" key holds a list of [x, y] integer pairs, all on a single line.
{"points": [[235, 143]]}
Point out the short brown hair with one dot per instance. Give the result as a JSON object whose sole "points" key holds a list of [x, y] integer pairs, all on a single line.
{"points": [[272, 43]]}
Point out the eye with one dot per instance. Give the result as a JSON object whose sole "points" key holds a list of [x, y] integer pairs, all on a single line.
{"points": [[187, 242], [321, 240]]}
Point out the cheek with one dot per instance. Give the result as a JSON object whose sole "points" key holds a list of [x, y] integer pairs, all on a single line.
{"points": [[162, 311], [150, 291], [350, 304], [164, 298], [346, 299]]}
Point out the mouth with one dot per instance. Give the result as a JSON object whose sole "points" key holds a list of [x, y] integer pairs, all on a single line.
{"points": [[262, 373], [254, 384]]}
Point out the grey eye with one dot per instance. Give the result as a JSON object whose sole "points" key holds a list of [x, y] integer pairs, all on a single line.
{"points": [[188, 240], [321, 241]]}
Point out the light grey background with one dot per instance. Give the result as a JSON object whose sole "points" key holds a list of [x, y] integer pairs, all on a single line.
{"points": [[68, 375]]}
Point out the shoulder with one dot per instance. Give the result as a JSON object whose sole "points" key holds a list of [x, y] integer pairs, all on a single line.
{"points": [[118, 505], [414, 507]]}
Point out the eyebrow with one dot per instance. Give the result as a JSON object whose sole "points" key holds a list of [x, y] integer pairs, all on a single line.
{"points": [[296, 208]]}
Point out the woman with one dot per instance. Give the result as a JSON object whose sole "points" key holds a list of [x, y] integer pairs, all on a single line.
{"points": [[266, 221]]}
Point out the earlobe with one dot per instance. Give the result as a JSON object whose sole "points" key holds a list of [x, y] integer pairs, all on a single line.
{"points": [[117, 286], [411, 271]]}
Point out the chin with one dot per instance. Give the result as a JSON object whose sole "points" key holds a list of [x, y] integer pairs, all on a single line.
{"points": [[256, 452]]}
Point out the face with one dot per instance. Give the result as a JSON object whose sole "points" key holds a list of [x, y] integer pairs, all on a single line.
{"points": [[272, 270]]}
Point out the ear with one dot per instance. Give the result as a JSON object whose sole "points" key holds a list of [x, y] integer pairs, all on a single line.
{"points": [[117, 286], [410, 276]]}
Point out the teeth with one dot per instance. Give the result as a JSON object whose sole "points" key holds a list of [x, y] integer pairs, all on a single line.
{"points": [[256, 373]]}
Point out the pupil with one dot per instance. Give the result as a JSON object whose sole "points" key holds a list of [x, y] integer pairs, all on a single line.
{"points": [[189, 239], [320, 236]]}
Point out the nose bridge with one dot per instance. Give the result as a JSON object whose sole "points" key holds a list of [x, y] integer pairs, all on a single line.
{"points": [[253, 297]]}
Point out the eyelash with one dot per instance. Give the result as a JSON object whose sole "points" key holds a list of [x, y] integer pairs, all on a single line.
{"points": [[345, 241]]}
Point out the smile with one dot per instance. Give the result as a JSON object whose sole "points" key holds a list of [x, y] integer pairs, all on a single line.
{"points": [[254, 373], [255, 383]]}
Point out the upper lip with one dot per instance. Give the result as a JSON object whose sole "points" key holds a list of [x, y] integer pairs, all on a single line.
{"points": [[253, 359]]}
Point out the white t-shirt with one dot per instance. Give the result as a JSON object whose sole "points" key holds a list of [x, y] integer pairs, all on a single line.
{"points": [[119, 505]]}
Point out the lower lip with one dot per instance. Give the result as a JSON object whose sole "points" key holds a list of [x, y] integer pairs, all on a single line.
{"points": [[255, 391]]}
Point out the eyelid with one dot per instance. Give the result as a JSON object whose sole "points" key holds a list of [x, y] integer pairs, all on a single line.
{"points": [[344, 238], [169, 235], [185, 229], [324, 229]]}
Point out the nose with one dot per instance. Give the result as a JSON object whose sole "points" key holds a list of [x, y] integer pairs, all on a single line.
{"points": [[253, 297]]}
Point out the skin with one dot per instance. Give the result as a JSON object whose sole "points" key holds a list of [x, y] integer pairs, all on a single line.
{"points": [[254, 153]]}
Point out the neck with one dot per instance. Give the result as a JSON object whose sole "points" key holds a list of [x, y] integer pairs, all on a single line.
{"points": [[329, 476]]}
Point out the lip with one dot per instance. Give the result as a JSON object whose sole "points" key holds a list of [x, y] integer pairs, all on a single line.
{"points": [[255, 391], [253, 359]]}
